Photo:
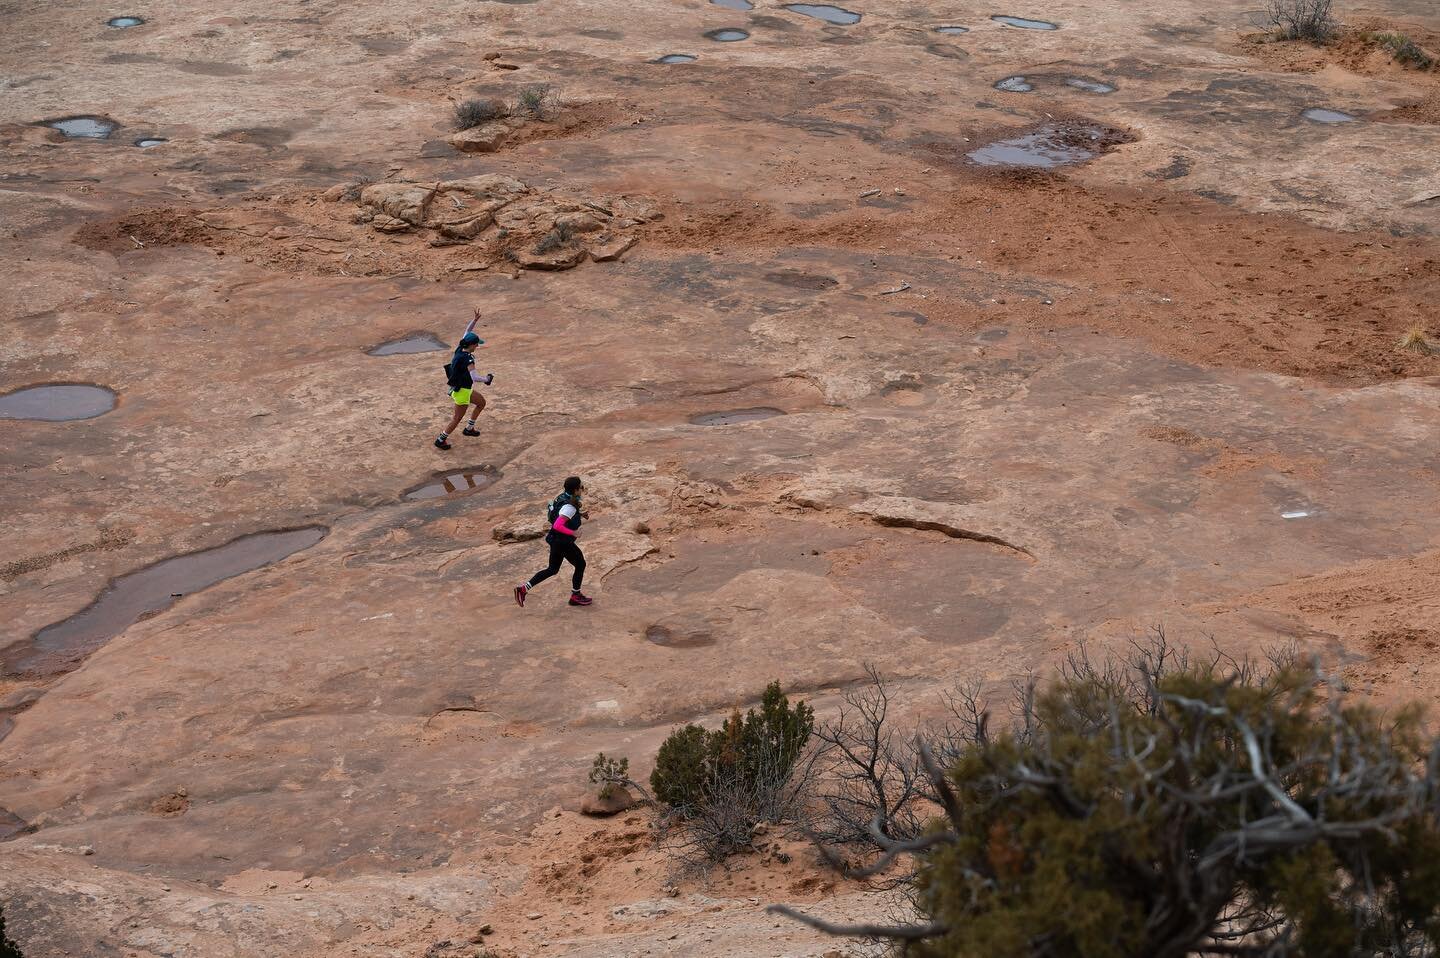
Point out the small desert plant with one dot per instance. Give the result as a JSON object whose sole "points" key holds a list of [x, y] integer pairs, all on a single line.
{"points": [[1415, 341], [473, 113], [559, 236], [721, 784], [535, 101], [610, 774], [1404, 50], [1302, 19], [353, 191]]}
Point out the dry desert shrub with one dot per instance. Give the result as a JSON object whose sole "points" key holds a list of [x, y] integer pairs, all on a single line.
{"points": [[1302, 19], [473, 113]]}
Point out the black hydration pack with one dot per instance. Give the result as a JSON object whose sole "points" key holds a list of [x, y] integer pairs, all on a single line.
{"points": [[552, 512]]}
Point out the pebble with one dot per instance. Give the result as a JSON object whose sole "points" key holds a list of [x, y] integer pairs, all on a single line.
{"points": [[533, 915], [87, 849]]}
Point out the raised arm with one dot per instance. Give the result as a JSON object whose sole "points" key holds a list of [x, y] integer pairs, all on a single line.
{"points": [[471, 327]]}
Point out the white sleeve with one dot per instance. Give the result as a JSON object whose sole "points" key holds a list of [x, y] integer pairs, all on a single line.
{"points": [[567, 512]]}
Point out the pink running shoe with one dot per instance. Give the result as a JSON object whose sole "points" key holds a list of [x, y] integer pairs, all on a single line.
{"points": [[579, 598], [521, 591]]}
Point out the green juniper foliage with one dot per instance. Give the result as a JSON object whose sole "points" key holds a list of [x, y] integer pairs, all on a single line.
{"points": [[719, 785], [1197, 811], [609, 773], [693, 763], [8, 948]]}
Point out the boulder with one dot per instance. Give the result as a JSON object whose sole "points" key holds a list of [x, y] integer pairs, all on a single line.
{"points": [[389, 224], [611, 248], [466, 229], [611, 800], [486, 138], [403, 201], [582, 221], [564, 257]]}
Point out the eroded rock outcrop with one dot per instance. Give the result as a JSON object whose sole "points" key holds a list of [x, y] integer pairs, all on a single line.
{"points": [[532, 228]]}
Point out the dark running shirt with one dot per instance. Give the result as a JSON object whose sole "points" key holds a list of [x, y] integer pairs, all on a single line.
{"points": [[459, 369]]}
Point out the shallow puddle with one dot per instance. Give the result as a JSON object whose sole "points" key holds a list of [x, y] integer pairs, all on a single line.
{"points": [[1295, 514], [414, 343], [798, 280], [60, 647], [1045, 149], [63, 403], [1014, 85], [145, 142], [684, 639], [954, 31], [450, 483], [676, 58], [84, 127], [727, 35], [732, 416], [824, 11], [734, 4], [11, 825], [1089, 86], [123, 22], [1025, 24], [1321, 115]]}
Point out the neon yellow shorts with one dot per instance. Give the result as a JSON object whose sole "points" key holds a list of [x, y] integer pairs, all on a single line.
{"points": [[461, 396]]}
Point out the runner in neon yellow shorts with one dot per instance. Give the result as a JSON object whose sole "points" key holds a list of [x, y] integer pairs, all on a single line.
{"points": [[459, 373]]}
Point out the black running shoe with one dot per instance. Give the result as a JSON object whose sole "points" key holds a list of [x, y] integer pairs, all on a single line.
{"points": [[467, 431], [441, 444]]}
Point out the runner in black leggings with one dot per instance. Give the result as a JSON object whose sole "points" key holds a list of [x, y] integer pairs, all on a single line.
{"points": [[565, 526]]}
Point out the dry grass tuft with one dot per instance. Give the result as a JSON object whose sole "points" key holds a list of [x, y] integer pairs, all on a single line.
{"points": [[1415, 341]]}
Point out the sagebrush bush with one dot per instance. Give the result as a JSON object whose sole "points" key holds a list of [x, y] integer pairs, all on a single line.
{"points": [[473, 113], [535, 100], [559, 236]]}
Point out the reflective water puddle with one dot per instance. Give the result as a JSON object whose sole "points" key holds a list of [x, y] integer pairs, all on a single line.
{"points": [[1089, 86], [733, 416], [414, 343], [1014, 85], [727, 35], [677, 58], [123, 22], [61, 647], [1046, 148], [1025, 24], [84, 127], [1322, 115], [63, 403], [450, 483], [824, 11]]}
